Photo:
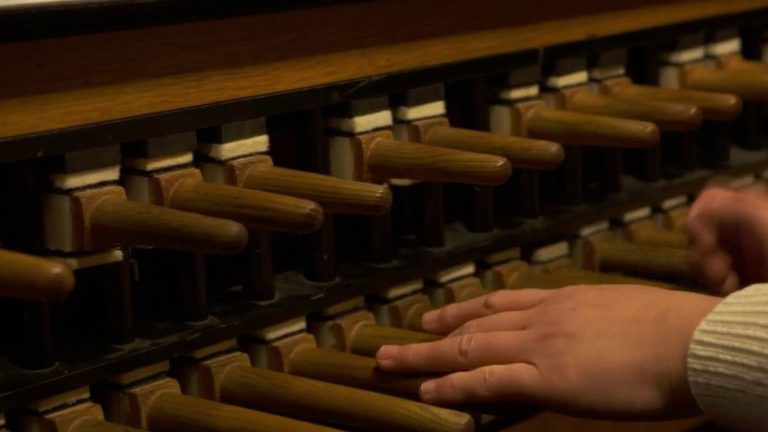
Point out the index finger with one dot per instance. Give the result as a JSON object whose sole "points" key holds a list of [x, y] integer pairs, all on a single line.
{"points": [[453, 316]]}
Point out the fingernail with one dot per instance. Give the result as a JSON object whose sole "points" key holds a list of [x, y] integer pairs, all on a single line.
{"points": [[386, 353], [427, 390]]}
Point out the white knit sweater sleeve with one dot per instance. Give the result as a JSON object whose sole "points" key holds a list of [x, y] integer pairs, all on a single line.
{"points": [[728, 361]]}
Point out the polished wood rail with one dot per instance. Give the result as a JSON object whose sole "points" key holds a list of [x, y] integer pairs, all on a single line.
{"points": [[172, 67]]}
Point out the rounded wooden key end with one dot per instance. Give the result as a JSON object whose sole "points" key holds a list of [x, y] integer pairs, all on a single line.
{"points": [[666, 115], [389, 159], [129, 223], [714, 106], [574, 128], [335, 195], [252, 208], [29, 277], [521, 152]]}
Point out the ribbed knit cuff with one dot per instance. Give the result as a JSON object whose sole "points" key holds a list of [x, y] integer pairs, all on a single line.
{"points": [[728, 361]]}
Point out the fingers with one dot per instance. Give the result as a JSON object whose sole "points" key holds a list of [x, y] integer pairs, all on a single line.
{"points": [[451, 317], [496, 383], [502, 321], [711, 268], [456, 353]]}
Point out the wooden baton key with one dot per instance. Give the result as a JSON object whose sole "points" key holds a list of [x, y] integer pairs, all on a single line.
{"points": [[646, 261], [102, 218], [571, 128], [647, 233], [29, 277], [69, 412], [335, 195], [520, 152], [156, 177], [384, 158], [717, 106], [696, 67], [158, 405], [358, 333], [519, 274], [668, 116], [229, 377], [234, 154]]}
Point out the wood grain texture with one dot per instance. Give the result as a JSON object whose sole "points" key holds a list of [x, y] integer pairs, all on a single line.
{"points": [[335, 195], [646, 233], [129, 223], [748, 86], [572, 128], [368, 338], [668, 116], [737, 63], [94, 425], [254, 209], [172, 412], [29, 277], [351, 370], [718, 106], [646, 261], [59, 83], [387, 159], [325, 402], [520, 152]]}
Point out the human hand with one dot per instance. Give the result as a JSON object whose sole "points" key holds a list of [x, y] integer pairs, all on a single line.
{"points": [[609, 351], [729, 238]]}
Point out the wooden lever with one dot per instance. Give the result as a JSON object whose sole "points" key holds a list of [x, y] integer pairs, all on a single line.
{"points": [[646, 261], [368, 338], [358, 333], [519, 275], [159, 406], [28, 277], [647, 233], [184, 189], [520, 152], [173, 412], [385, 159], [254, 209], [117, 222], [335, 195], [101, 218], [80, 417], [666, 115], [588, 129], [750, 87], [714, 106], [737, 63], [287, 394], [351, 370], [299, 355]]}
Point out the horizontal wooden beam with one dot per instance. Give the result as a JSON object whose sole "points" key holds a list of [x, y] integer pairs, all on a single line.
{"points": [[59, 83]]}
